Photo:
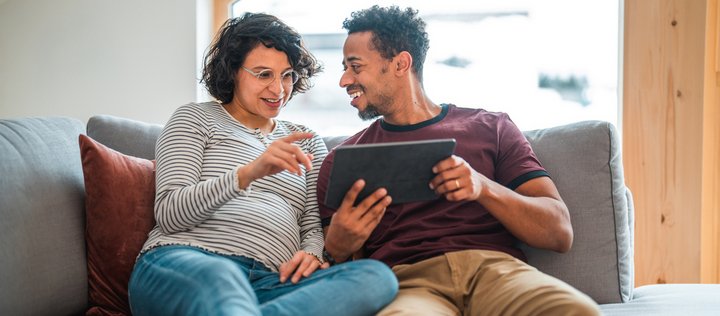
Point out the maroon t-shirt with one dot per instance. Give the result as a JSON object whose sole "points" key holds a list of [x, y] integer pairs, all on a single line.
{"points": [[491, 143]]}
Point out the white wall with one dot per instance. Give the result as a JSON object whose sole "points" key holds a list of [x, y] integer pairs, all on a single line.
{"points": [[78, 58]]}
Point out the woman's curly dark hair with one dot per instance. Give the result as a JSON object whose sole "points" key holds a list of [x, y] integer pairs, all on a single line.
{"points": [[238, 36], [394, 31]]}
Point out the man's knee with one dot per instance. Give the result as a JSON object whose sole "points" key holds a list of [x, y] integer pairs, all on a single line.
{"points": [[576, 305], [419, 301], [561, 301]]}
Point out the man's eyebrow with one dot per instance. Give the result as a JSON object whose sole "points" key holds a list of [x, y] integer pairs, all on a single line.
{"points": [[350, 59]]}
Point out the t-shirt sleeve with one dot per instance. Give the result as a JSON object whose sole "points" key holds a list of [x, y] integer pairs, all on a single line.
{"points": [[516, 161]]}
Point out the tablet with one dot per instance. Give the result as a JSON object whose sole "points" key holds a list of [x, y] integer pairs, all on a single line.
{"points": [[403, 168]]}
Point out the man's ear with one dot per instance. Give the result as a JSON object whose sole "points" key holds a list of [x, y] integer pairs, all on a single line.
{"points": [[402, 63]]}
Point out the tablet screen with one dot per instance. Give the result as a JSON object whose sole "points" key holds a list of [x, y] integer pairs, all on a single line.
{"points": [[403, 168]]}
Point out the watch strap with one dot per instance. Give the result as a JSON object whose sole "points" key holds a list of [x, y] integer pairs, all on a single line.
{"points": [[328, 258]]}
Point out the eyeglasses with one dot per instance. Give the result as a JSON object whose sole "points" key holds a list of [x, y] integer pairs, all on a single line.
{"points": [[267, 76]]}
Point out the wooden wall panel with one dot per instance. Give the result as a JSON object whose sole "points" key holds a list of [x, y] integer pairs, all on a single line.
{"points": [[221, 12], [662, 135], [710, 259]]}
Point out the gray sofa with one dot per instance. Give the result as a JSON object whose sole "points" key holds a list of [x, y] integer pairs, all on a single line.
{"points": [[42, 244]]}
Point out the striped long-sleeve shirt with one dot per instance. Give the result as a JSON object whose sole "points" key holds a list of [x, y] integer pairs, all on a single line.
{"points": [[198, 200]]}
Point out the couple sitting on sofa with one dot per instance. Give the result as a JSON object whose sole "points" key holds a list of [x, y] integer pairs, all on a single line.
{"points": [[239, 211]]}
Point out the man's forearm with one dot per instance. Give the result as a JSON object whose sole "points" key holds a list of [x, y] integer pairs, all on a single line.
{"points": [[535, 214]]}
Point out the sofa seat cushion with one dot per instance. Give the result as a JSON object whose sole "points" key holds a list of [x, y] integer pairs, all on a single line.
{"points": [[670, 299], [120, 194]]}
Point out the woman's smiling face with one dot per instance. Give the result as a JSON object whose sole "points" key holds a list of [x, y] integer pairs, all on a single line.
{"points": [[254, 97]]}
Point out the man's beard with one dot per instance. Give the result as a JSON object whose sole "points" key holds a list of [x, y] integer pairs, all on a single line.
{"points": [[369, 113], [372, 111]]}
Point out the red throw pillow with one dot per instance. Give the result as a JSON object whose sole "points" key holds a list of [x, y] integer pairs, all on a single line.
{"points": [[119, 199]]}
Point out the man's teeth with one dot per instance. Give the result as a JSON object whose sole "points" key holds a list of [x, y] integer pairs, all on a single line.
{"points": [[356, 94]]}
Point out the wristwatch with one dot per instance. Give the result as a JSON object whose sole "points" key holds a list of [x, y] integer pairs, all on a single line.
{"points": [[328, 258]]}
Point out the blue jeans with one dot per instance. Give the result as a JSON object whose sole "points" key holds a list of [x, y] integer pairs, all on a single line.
{"points": [[183, 280]]}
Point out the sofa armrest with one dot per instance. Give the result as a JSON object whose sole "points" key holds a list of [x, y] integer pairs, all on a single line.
{"points": [[42, 246]]}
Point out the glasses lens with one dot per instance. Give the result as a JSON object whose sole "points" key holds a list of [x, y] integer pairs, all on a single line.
{"points": [[266, 76], [290, 77]]}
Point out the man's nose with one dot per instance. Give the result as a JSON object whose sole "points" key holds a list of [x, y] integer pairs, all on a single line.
{"points": [[346, 79]]}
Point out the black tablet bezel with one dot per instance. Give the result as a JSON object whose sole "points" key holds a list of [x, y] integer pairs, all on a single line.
{"points": [[403, 168]]}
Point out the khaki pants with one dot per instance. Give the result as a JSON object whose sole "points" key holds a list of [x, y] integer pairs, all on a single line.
{"points": [[483, 282]]}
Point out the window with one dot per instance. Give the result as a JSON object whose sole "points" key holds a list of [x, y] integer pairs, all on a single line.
{"points": [[545, 63]]}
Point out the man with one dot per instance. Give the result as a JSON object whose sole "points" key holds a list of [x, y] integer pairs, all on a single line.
{"points": [[456, 254]]}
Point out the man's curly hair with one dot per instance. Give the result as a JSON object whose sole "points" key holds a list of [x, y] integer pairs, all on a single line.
{"points": [[394, 30], [238, 36]]}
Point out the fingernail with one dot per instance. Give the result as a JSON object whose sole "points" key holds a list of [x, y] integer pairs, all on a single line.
{"points": [[434, 169], [431, 186]]}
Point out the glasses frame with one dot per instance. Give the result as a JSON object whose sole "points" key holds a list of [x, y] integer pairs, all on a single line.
{"points": [[257, 75]]}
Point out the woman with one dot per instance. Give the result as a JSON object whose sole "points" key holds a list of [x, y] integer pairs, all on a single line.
{"points": [[238, 230]]}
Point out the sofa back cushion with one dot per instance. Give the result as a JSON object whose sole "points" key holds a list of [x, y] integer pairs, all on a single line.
{"points": [[584, 161], [42, 247], [127, 136]]}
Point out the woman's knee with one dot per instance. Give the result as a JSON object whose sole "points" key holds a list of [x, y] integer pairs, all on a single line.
{"points": [[188, 282], [379, 279]]}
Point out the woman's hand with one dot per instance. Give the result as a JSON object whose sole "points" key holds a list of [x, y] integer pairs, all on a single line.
{"points": [[281, 155], [302, 264]]}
